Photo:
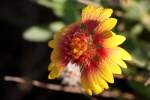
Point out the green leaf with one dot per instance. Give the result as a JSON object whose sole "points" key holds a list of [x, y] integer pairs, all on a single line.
{"points": [[45, 3], [70, 10], [66, 9], [37, 34], [56, 5]]}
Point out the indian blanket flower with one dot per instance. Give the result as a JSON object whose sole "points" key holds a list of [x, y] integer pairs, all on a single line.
{"points": [[92, 46]]}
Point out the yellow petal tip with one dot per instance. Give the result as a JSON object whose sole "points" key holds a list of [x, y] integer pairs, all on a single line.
{"points": [[106, 25], [51, 44], [113, 41]]}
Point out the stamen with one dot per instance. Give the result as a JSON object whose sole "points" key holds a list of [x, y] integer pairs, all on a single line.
{"points": [[78, 45]]}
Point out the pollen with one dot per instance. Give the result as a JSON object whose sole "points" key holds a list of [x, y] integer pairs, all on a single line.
{"points": [[79, 45]]}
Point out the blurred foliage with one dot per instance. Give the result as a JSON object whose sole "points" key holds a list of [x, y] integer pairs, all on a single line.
{"points": [[140, 89], [133, 20], [55, 26], [66, 9], [37, 34]]}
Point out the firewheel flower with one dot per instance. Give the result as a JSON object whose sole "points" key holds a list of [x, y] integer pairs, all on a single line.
{"points": [[91, 45]]}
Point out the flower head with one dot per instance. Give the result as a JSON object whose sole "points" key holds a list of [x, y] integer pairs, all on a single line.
{"points": [[92, 46]]}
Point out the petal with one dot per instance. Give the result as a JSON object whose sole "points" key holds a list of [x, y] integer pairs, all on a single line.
{"points": [[59, 34], [51, 44], [105, 72], [102, 82], [91, 81], [112, 41], [90, 13], [88, 91], [55, 70], [95, 77], [96, 13], [99, 38], [54, 43], [118, 61], [106, 25], [112, 56], [124, 54], [115, 69], [106, 35], [54, 55], [88, 83], [106, 13], [116, 55]]}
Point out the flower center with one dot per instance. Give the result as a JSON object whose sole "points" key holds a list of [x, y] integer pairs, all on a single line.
{"points": [[79, 44]]}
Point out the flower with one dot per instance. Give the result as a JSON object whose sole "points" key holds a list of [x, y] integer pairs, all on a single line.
{"points": [[91, 45]]}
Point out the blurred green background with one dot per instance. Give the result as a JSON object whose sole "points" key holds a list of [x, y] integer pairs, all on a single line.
{"points": [[27, 26]]}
